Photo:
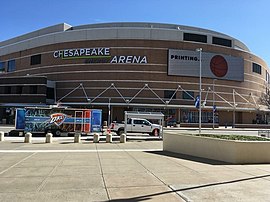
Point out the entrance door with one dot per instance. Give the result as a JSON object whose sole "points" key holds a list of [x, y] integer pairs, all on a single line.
{"points": [[78, 121]]}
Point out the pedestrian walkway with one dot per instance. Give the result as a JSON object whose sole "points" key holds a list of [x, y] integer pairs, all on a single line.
{"points": [[133, 171]]}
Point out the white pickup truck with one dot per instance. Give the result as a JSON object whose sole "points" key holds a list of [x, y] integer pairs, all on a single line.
{"points": [[136, 125]]}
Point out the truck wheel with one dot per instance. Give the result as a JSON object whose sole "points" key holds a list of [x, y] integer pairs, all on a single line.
{"points": [[120, 132], [155, 132], [57, 133]]}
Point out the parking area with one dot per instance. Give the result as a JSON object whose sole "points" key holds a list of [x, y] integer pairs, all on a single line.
{"points": [[132, 171]]}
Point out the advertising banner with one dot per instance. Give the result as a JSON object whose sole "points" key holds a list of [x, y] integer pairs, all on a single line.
{"points": [[20, 119], [64, 120], [216, 66], [96, 120]]}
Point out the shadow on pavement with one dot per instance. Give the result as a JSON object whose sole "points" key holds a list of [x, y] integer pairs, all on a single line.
{"points": [[188, 157], [149, 196]]}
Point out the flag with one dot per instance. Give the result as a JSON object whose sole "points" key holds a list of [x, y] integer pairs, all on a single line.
{"points": [[197, 101], [214, 108]]}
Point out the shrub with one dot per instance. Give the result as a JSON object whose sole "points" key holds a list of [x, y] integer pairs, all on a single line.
{"points": [[235, 137]]}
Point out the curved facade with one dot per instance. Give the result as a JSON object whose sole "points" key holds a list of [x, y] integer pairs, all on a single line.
{"points": [[135, 66]]}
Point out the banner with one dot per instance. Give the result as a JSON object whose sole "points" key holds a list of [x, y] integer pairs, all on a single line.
{"points": [[216, 66], [197, 102]]}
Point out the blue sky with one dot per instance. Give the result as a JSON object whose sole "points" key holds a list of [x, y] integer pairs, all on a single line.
{"points": [[246, 20]]}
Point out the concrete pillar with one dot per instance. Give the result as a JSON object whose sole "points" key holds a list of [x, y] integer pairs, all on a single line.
{"points": [[77, 138], [48, 138], [28, 138], [109, 138], [123, 138], [2, 136], [96, 138]]}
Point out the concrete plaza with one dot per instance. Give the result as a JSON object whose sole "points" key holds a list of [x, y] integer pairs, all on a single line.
{"points": [[132, 171]]}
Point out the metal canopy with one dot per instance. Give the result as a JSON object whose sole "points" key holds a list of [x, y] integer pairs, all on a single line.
{"points": [[127, 101], [146, 115]]}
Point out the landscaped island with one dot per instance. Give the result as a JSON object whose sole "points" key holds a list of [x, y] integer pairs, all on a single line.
{"points": [[234, 137], [228, 148]]}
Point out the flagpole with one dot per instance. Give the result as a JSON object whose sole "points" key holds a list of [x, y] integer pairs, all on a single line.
{"points": [[200, 90]]}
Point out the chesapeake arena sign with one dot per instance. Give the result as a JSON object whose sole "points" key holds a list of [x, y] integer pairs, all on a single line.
{"points": [[187, 63], [98, 55]]}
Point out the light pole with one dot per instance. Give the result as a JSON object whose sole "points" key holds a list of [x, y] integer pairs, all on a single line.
{"points": [[200, 91], [234, 108], [109, 112], [214, 103]]}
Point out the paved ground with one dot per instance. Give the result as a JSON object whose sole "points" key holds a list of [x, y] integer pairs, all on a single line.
{"points": [[133, 171]]}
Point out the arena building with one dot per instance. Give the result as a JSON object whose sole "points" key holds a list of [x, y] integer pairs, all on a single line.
{"points": [[148, 67]]}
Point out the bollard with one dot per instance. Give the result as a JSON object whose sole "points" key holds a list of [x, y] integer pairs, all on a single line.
{"points": [[28, 138], [2, 134], [104, 127], [48, 138], [123, 138], [96, 138], [77, 138], [109, 138]]}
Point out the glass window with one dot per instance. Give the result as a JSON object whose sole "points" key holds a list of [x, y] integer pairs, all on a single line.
{"points": [[221, 41], [190, 116], [50, 93], [19, 89], [33, 89], [169, 94], [189, 95], [147, 123], [140, 122], [36, 59], [267, 76], [256, 68], [195, 37], [2, 67], [2, 89], [7, 90], [11, 66]]}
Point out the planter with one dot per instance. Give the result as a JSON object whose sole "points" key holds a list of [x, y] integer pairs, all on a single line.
{"points": [[232, 151]]}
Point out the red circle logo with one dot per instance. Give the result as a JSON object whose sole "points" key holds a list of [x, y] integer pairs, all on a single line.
{"points": [[219, 66]]}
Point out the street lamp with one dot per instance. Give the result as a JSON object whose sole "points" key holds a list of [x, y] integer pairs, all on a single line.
{"points": [[214, 103], [200, 91], [234, 108], [109, 112]]}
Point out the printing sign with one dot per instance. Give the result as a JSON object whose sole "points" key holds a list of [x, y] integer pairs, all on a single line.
{"points": [[217, 66]]}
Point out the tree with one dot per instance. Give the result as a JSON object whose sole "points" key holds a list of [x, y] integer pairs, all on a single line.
{"points": [[265, 97]]}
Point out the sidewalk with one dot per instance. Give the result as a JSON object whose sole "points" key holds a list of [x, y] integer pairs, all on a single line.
{"points": [[133, 171]]}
